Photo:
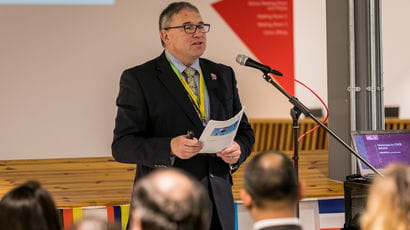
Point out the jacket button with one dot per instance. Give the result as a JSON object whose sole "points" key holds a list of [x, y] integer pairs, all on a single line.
{"points": [[211, 175]]}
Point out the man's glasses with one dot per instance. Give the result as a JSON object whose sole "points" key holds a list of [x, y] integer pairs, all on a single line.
{"points": [[191, 28]]}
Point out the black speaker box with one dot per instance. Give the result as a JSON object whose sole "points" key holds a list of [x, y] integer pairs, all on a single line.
{"points": [[355, 189]]}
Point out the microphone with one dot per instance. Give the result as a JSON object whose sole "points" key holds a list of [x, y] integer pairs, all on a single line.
{"points": [[247, 61]]}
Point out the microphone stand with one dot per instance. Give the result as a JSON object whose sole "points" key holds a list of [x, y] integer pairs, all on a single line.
{"points": [[295, 114], [298, 108]]}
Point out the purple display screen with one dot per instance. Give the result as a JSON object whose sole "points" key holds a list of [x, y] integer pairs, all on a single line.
{"points": [[383, 148]]}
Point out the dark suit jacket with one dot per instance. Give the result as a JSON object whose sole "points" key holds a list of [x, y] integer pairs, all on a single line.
{"points": [[153, 107]]}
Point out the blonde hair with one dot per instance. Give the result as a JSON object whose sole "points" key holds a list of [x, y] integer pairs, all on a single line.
{"points": [[388, 203]]}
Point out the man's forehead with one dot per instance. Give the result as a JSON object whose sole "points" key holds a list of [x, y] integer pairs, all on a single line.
{"points": [[187, 16]]}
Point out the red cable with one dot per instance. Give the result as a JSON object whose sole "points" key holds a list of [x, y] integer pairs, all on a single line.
{"points": [[317, 96]]}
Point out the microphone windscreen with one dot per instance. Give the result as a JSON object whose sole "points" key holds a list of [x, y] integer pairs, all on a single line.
{"points": [[241, 59]]}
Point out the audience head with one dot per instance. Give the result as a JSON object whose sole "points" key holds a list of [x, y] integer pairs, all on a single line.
{"points": [[168, 199], [29, 207], [270, 184], [388, 202], [93, 223]]}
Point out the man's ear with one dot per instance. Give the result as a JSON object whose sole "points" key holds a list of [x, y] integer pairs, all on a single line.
{"points": [[246, 198], [164, 36]]}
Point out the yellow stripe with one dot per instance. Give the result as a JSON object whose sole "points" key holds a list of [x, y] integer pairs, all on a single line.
{"points": [[125, 212], [200, 104], [77, 214], [202, 96]]}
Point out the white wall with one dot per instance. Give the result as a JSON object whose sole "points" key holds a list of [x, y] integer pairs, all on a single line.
{"points": [[310, 50], [60, 66], [396, 54]]}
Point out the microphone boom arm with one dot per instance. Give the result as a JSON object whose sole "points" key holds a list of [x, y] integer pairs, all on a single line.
{"points": [[306, 111]]}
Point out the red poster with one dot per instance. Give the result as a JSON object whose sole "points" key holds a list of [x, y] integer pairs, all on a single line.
{"points": [[266, 28]]}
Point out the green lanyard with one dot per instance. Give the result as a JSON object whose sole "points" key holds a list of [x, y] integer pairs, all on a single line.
{"points": [[199, 104]]}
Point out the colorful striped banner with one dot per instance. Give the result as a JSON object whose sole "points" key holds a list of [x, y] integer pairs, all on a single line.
{"points": [[329, 214], [67, 218], [125, 212], [77, 214], [117, 214], [236, 214], [71, 216], [110, 214]]}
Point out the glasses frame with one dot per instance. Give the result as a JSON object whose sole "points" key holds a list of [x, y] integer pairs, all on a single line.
{"points": [[190, 24]]}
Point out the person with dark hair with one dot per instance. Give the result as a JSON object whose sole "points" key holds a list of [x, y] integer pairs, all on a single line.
{"points": [[271, 191], [168, 199], [29, 207], [162, 100]]}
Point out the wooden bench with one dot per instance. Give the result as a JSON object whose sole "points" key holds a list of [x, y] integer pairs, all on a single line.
{"points": [[313, 171], [74, 182], [277, 133], [80, 182]]}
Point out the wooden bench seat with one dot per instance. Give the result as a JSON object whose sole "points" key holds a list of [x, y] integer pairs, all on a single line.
{"points": [[74, 182], [313, 171], [101, 181]]}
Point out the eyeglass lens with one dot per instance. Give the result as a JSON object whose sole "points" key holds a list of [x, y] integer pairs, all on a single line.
{"points": [[191, 28]]}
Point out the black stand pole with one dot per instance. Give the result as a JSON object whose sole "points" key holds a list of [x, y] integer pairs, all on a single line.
{"points": [[295, 114], [303, 109]]}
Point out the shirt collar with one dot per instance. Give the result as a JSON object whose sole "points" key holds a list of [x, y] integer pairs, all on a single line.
{"points": [[179, 65], [274, 222]]}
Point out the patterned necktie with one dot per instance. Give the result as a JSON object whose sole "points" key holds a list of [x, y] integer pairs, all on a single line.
{"points": [[190, 73]]}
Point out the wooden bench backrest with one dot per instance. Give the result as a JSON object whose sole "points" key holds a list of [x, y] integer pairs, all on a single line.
{"points": [[277, 134]]}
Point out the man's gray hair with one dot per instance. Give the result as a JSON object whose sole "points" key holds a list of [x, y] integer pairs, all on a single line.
{"points": [[172, 9]]}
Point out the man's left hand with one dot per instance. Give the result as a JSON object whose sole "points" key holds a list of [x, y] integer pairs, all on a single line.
{"points": [[230, 154]]}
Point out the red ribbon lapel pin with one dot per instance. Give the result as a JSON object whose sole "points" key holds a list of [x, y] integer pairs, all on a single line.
{"points": [[213, 76]]}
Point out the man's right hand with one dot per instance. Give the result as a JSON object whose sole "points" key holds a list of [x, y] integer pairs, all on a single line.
{"points": [[185, 148]]}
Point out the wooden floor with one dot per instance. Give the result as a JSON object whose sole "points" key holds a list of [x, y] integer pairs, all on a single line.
{"points": [[80, 182]]}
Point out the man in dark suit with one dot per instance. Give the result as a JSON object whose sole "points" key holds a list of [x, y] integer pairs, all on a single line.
{"points": [[271, 192], [162, 99]]}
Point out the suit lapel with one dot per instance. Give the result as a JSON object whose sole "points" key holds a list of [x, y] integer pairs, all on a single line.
{"points": [[176, 89], [211, 81]]}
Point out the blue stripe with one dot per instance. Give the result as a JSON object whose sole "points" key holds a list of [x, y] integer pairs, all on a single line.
{"points": [[235, 206], [58, 2], [331, 205], [117, 214]]}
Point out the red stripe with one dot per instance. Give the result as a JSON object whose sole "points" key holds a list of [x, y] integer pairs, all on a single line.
{"points": [[110, 214], [330, 229], [68, 219]]}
